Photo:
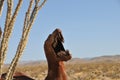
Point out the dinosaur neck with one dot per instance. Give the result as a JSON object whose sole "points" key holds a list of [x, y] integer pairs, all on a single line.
{"points": [[56, 71], [62, 71]]}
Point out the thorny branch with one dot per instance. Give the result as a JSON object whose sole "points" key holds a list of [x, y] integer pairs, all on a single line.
{"points": [[3, 46], [9, 24], [28, 22]]}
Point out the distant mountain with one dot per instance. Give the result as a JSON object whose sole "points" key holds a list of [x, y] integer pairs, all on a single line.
{"points": [[29, 63], [77, 60], [115, 58], [107, 58]]}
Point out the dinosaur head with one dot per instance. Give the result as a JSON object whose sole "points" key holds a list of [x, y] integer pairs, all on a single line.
{"points": [[55, 41]]}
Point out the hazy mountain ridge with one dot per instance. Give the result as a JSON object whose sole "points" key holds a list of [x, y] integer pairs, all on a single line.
{"points": [[107, 58], [115, 58]]}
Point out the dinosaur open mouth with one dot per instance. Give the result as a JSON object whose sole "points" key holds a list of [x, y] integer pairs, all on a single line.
{"points": [[59, 48], [57, 45]]}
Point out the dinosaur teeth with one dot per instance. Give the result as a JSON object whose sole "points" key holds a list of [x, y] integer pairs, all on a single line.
{"points": [[60, 37]]}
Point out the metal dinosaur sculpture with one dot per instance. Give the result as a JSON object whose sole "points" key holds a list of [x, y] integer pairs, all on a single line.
{"points": [[56, 55]]}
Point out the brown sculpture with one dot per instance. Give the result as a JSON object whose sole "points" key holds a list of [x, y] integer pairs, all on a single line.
{"points": [[17, 76], [56, 54]]}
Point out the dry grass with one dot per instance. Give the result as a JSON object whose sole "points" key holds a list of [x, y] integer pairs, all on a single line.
{"points": [[94, 71], [77, 71]]}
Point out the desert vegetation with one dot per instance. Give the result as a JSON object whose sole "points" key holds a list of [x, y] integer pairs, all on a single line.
{"points": [[102, 70]]}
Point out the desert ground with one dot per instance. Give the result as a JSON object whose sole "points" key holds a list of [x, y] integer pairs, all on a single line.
{"points": [[77, 69]]}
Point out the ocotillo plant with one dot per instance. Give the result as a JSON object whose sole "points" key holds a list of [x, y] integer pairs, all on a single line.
{"points": [[9, 23], [29, 19]]}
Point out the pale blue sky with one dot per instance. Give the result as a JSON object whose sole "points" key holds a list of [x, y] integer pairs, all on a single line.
{"points": [[90, 27]]}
